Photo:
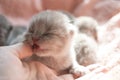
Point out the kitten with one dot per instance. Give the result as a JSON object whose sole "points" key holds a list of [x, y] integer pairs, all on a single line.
{"points": [[87, 41], [5, 29], [45, 29], [88, 26], [51, 35], [16, 35]]}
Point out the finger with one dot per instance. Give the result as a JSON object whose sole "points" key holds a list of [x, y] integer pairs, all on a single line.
{"points": [[11, 67], [21, 50], [44, 73], [67, 77]]}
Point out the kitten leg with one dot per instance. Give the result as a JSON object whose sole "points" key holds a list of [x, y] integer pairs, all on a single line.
{"points": [[76, 69]]}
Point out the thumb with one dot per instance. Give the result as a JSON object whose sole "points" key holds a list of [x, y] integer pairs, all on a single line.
{"points": [[21, 50]]}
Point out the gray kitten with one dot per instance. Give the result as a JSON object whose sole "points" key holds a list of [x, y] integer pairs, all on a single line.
{"points": [[88, 26], [58, 38], [5, 29], [52, 36], [87, 40], [16, 35]]}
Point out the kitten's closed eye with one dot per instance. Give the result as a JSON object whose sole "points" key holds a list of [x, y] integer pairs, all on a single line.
{"points": [[31, 30], [47, 34]]}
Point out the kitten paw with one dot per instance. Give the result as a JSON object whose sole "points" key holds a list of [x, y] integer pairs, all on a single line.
{"points": [[79, 71]]}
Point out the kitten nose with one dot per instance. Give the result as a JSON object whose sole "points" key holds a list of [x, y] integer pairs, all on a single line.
{"points": [[35, 46]]}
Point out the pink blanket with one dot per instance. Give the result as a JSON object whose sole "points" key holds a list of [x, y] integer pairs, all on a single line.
{"points": [[108, 53]]}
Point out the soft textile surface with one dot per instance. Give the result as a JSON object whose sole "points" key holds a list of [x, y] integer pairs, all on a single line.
{"points": [[108, 53], [22, 10]]}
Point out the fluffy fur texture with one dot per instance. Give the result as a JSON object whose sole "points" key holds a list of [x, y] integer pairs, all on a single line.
{"points": [[88, 26], [86, 42], [52, 36], [5, 28], [59, 38], [16, 35]]}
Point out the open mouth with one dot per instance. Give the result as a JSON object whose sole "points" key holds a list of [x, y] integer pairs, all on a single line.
{"points": [[35, 46]]}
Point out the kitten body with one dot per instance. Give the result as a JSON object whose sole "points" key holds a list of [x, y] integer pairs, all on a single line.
{"points": [[88, 26], [57, 39], [5, 29], [52, 37], [16, 35], [87, 41]]}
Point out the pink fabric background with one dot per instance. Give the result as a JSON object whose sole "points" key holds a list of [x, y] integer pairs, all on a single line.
{"points": [[23, 10]]}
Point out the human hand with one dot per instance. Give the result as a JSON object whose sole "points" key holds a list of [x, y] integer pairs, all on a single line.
{"points": [[13, 68]]}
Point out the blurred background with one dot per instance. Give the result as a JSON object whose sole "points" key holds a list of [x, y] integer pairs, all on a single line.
{"points": [[19, 12]]}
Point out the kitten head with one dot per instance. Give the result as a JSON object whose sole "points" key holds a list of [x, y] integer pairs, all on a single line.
{"points": [[88, 26], [50, 32]]}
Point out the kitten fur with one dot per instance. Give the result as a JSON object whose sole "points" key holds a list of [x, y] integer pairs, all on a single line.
{"points": [[87, 25], [56, 40], [51, 27], [5, 28], [52, 36], [86, 43], [16, 35]]}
